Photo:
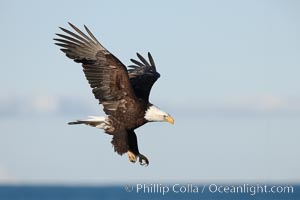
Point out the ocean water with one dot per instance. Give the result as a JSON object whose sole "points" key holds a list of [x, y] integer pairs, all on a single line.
{"points": [[128, 192]]}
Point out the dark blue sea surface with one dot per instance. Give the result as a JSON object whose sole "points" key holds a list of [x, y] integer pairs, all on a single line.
{"points": [[22, 192]]}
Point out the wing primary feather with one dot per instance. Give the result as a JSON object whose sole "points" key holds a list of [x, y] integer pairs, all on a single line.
{"points": [[151, 60], [69, 38], [66, 42], [137, 62], [91, 34], [74, 35], [81, 33], [142, 59], [133, 66], [62, 45]]}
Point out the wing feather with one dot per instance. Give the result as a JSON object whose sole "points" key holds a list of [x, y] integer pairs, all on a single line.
{"points": [[142, 59], [152, 63], [142, 76], [106, 75], [137, 62]]}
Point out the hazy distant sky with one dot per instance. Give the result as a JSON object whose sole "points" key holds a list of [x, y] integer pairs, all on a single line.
{"points": [[229, 76]]}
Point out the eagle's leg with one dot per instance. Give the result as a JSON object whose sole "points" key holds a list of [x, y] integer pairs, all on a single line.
{"points": [[131, 156], [133, 150]]}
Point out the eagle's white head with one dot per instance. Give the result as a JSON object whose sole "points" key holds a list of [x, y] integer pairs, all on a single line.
{"points": [[154, 114]]}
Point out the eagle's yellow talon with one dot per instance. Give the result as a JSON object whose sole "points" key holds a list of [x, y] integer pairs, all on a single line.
{"points": [[143, 160], [131, 156]]}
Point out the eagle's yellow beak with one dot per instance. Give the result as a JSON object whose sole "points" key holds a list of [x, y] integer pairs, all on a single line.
{"points": [[169, 119]]}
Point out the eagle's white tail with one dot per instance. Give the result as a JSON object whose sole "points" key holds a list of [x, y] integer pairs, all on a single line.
{"points": [[98, 122]]}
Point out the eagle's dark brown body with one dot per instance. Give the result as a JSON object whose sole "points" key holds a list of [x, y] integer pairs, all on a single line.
{"points": [[134, 117]]}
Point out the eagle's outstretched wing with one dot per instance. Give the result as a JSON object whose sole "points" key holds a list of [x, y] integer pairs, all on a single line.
{"points": [[106, 75], [142, 76]]}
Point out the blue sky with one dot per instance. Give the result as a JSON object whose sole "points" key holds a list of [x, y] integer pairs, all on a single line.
{"points": [[229, 76]]}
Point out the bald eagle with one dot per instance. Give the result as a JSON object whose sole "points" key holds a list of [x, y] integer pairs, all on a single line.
{"points": [[123, 93]]}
